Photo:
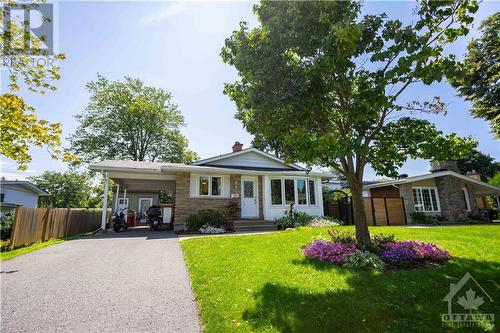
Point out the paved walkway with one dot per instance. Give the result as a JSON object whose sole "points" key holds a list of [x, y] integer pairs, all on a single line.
{"points": [[134, 281]]}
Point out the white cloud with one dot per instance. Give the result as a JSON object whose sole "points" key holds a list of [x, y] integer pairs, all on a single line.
{"points": [[171, 10]]}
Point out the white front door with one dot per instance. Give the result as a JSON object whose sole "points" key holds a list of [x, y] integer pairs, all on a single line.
{"points": [[144, 204], [249, 197]]}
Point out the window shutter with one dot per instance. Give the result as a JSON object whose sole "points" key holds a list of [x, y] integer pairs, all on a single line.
{"points": [[193, 185], [226, 184]]}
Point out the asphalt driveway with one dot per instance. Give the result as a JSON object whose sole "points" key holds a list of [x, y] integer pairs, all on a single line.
{"points": [[134, 281]]}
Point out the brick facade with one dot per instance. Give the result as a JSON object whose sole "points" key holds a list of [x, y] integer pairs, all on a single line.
{"points": [[186, 205]]}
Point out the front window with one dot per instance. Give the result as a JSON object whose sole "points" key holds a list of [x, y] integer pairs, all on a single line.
{"points": [[289, 191], [312, 193], [301, 192], [276, 193], [425, 199], [216, 186], [210, 186], [204, 185]]}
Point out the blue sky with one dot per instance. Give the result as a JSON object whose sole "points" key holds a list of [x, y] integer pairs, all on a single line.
{"points": [[176, 46]]}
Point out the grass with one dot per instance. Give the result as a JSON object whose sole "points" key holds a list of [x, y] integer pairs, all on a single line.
{"points": [[262, 283], [7, 255]]}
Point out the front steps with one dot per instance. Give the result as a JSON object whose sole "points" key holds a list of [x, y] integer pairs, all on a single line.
{"points": [[254, 225]]}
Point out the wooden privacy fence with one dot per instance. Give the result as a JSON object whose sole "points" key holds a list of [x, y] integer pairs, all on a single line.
{"points": [[33, 225], [379, 211]]}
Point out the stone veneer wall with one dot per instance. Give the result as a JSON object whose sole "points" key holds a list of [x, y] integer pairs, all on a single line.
{"points": [[451, 198], [186, 205], [406, 192]]}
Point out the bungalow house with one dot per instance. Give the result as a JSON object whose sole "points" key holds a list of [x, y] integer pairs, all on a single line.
{"points": [[259, 185], [15, 193], [443, 191]]}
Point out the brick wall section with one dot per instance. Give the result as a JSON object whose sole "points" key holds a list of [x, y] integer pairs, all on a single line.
{"points": [[186, 205], [385, 192]]}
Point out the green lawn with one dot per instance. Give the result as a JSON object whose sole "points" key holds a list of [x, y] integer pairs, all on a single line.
{"points": [[262, 283]]}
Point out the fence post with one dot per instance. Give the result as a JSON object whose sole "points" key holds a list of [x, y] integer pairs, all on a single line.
{"points": [[386, 212], [373, 212], [404, 210], [13, 230], [44, 224], [66, 222]]}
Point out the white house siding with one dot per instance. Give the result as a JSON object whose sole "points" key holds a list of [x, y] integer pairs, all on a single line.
{"points": [[272, 212], [19, 196], [249, 159]]}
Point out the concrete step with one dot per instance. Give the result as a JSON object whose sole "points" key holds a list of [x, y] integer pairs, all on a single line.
{"points": [[254, 225]]}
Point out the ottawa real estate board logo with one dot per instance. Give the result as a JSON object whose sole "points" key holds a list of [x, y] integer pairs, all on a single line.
{"points": [[464, 300]]}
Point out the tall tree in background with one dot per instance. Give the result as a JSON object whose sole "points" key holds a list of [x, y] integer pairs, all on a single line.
{"points": [[67, 190], [478, 77], [129, 120], [20, 127], [480, 162], [326, 84]]}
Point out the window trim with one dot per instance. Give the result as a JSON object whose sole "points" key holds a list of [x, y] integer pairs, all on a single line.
{"points": [[465, 192], [295, 189], [429, 188], [126, 199], [198, 179]]}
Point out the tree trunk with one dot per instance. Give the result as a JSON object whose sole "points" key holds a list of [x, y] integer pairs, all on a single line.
{"points": [[360, 222]]}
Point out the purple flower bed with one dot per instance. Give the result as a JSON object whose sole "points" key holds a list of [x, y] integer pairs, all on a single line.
{"points": [[327, 251], [408, 252], [397, 254]]}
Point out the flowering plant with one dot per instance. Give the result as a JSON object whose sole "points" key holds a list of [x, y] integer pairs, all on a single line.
{"points": [[327, 251], [405, 252], [207, 229]]}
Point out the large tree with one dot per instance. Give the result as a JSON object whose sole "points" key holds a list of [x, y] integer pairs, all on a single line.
{"points": [[327, 84], [32, 70], [68, 189], [477, 77], [129, 120], [480, 162]]}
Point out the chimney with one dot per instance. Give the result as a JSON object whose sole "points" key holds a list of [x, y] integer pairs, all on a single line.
{"points": [[473, 174], [237, 146], [437, 166]]}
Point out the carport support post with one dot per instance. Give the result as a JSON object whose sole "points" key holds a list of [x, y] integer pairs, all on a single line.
{"points": [[116, 198], [105, 203]]}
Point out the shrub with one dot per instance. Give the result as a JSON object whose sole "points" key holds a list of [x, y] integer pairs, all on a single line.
{"points": [[411, 252], [379, 239], [215, 218], [422, 218], [327, 251], [193, 222], [232, 210], [207, 229], [363, 260], [342, 236], [319, 222], [284, 222], [301, 218], [6, 226]]}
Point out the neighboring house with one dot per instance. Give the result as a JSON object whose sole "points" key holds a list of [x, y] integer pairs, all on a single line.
{"points": [[260, 185], [18, 193], [444, 192]]}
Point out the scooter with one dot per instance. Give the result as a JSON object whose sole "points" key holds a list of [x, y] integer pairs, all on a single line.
{"points": [[154, 217], [118, 220]]}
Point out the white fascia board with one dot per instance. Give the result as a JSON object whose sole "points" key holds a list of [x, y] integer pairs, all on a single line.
{"points": [[258, 151]]}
